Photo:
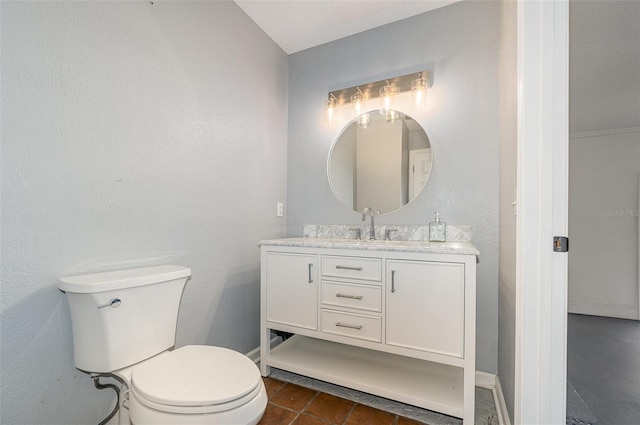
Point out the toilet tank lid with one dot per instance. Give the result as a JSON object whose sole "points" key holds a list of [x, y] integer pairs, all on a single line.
{"points": [[108, 281]]}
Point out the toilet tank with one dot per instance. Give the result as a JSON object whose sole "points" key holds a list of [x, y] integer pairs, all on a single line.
{"points": [[122, 317]]}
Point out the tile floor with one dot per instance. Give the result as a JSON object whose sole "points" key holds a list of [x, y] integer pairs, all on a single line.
{"points": [[485, 410], [603, 370], [291, 404]]}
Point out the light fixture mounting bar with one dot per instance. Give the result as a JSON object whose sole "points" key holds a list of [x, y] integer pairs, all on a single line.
{"points": [[372, 90]]}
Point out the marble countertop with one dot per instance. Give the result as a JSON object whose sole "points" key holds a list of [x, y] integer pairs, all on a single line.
{"points": [[460, 248]]}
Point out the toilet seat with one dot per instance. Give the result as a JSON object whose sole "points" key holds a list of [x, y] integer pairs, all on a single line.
{"points": [[196, 379]]}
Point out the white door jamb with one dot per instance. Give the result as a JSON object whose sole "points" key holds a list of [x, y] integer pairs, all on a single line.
{"points": [[541, 274]]}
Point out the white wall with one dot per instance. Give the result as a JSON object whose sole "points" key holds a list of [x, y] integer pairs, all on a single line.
{"points": [[133, 133], [460, 43], [604, 54], [603, 223]]}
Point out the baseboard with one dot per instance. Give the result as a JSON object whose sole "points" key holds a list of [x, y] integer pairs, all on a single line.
{"points": [[485, 380], [501, 405], [491, 382], [604, 133], [615, 310]]}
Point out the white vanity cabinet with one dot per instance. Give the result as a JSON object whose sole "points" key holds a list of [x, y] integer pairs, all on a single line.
{"points": [[292, 294], [392, 319], [425, 306]]}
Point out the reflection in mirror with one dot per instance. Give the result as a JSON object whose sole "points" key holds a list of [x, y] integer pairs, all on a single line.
{"points": [[384, 166]]}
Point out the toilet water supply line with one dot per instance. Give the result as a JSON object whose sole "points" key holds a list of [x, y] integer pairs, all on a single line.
{"points": [[96, 381]]}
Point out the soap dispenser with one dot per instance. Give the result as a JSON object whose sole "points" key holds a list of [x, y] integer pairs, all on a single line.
{"points": [[437, 230]]}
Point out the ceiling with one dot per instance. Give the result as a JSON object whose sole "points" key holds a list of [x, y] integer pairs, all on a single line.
{"points": [[296, 25], [604, 71]]}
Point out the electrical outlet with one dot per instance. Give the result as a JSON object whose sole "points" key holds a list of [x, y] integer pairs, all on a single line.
{"points": [[279, 209]]}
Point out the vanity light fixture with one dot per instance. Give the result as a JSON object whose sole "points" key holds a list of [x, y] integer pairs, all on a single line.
{"points": [[357, 102], [386, 90], [387, 98], [419, 88], [359, 115], [330, 108]]}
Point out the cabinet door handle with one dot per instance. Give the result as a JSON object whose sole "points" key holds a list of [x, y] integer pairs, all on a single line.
{"points": [[310, 280], [393, 281], [358, 269], [344, 325], [353, 297]]}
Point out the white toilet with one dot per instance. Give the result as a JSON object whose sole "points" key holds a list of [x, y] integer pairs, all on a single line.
{"points": [[124, 323]]}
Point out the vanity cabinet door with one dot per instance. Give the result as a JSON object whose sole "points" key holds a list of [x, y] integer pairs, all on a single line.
{"points": [[292, 289], [425, 306]]}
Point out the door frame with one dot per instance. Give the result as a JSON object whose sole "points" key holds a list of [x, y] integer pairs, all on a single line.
{"points": [[542, 210], [412, 158]]}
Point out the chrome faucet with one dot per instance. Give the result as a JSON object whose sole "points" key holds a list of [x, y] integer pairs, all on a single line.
{"points": [[372, 231]]}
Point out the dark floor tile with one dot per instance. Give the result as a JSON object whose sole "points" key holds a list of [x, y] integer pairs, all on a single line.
{"points": [[331, 408], [272, 385], [293, 396], [603, 369], [276, 415], [365, 415], [308, 420]]}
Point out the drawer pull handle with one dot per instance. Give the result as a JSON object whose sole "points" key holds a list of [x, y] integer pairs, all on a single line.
{"points": [[353, 297], [393, 281], [358, 269], [344, 325], [310, 280]]}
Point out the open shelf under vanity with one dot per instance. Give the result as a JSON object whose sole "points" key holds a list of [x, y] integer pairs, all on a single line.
{"points": [[417, 382]]}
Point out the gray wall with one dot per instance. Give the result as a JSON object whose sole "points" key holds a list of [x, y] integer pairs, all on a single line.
{"points": [[460, 43], [603, 207], [508, 182], [132, 134]]}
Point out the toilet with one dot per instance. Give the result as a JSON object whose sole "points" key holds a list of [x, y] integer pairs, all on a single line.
{"points": [[124, 323]]}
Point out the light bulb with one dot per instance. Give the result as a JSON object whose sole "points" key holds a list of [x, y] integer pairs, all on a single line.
{"points": [[419, 88], [387, 97], [330, 109], [357, 101]]}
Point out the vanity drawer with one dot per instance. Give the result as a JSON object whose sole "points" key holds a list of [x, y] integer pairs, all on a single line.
{"points": [[353, 325], [362, 297], [352, 267]]}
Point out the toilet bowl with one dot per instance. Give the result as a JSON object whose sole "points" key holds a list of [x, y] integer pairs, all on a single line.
{"points": [[194, 384], [124, 324]]}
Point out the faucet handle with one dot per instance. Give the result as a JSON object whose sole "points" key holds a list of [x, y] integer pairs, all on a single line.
{"points": [[366, 211], [358, 232], [387, 234]]}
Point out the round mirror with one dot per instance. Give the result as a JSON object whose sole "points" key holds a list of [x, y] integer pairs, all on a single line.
{"points": [[383, 166]]}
